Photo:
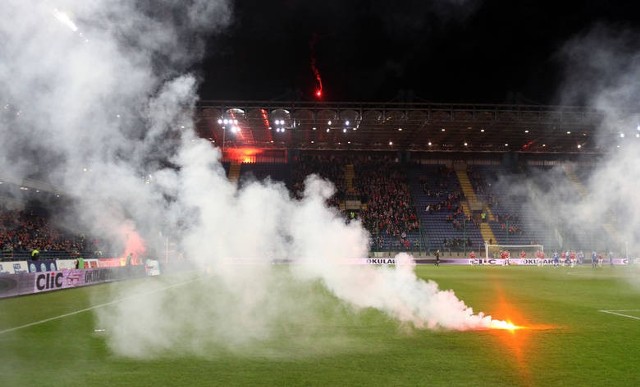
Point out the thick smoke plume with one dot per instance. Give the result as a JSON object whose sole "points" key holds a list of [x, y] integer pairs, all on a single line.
{"points": [[592, 204], [106, 101], [601, 68]]}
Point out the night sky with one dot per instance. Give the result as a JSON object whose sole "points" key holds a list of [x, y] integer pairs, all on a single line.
{"points": [[492, 51]]}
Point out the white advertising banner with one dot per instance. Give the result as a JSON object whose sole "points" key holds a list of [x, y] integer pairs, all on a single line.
{"points": [[14, 267], [67, 264], [152, 267], [6, 267]]}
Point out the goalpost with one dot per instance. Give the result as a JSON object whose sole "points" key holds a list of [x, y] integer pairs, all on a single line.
{"points": [[513, 251]]}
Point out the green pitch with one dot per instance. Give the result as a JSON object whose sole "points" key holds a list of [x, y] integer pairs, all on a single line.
{"points": [[584, 330]]}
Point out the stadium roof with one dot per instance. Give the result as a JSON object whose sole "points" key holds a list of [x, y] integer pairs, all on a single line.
{"points": [[398, 126]]}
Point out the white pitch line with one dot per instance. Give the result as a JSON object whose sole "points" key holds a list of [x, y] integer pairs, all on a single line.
{"points": [[622, 314], [93, 307]]}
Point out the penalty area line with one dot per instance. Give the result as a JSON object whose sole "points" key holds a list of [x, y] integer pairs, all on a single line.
{"points": [[95, 307], [617, 313]]}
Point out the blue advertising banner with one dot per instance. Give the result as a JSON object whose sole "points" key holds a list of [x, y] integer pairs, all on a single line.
{"points": [[42, 266]]}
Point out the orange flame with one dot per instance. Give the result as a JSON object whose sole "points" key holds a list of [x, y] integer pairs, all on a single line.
{"points": [[506, 325]]}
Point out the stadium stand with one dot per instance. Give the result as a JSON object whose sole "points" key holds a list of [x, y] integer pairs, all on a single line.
{"points": [[260, 171], [494, 186], [417, 206], [438, 199], [387, 212], [22, 231]]}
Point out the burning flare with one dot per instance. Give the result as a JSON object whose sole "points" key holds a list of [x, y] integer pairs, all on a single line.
{"points": [[506, 325]]}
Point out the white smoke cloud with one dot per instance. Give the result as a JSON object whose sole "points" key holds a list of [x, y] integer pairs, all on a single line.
{"points": [[601, 68], [601, 213], [107, 108]]}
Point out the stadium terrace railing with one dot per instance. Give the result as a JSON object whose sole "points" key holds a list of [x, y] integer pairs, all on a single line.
{"points": [[44, 255]]}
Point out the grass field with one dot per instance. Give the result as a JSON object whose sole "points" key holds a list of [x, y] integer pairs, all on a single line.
{"points": [[570, 340]]}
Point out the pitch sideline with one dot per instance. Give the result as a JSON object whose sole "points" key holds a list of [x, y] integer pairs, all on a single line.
{"points": [[617, 313], [94, 307]]}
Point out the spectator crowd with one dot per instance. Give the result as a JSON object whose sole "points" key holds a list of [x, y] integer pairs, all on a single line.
{"points": [[388, 211], [22, 231]]}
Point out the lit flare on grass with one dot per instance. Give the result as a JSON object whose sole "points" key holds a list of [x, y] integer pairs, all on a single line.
{"points": [[506, 325]]}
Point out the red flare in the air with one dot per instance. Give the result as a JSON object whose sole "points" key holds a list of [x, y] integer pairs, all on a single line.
{"points": [[314, 68]]}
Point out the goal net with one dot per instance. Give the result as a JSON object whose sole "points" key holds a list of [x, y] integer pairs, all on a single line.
{"points": [[513, 251]]}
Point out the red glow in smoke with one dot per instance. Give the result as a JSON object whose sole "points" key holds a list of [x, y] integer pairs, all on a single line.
{"points": [[134, 245]]}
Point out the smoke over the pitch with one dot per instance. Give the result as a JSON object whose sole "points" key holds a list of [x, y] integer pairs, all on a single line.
{"points": [[604, 64], [592, 204], [601, 67], [105, 105]]}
